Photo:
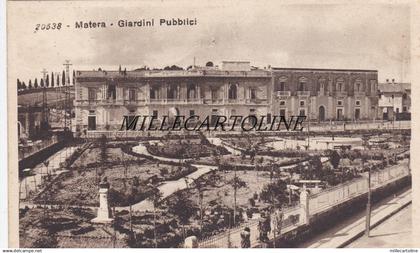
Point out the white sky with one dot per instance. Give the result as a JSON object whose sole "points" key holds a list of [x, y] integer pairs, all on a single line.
{"points": [[266, 33]]}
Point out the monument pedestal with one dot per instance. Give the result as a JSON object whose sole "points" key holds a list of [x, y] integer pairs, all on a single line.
{"points": [[103, 211]]}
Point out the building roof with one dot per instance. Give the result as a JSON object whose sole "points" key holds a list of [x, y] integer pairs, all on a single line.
{"points": [[171, 73], [326, 70], [394, 87]]}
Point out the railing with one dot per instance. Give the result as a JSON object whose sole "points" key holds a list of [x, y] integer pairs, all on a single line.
{"points": [[340, 93], [294, 217], [337, 195], [231, 238], [176, 101], [304, 93], [359, 93], [281, 93], [98, 102], [25, 151]]}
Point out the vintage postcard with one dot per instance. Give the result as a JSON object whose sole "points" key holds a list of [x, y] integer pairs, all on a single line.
{"points": [[211, 124]]}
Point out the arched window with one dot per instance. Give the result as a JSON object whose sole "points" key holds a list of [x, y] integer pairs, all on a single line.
{"points": [[282, 84], [302, 84], [233, 92], [321, 83], [340, 84], [358, 85]]}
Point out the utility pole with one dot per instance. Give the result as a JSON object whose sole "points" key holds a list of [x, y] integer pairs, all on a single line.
{"points": [[44, 101], [67, 64], [368, 206]]}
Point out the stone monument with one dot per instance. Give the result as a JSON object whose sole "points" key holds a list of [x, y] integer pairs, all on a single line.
{"points": [[103, 211]]}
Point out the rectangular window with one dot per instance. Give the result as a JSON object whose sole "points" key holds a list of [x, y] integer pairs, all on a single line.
{"points": [[253, 94], [357, 102], [282, 102], [213, 94], [302, 112], [302, 103], [155, 113], [340, 102], [192, 113], [132, 94], [404, 108], [92, 94], [283, 112]]}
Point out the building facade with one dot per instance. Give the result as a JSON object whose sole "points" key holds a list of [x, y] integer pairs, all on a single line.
{"points": [[394, 100], [102, 98], [326, 94]]}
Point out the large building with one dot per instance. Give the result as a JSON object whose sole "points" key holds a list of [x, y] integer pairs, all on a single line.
{"points": [[103, 97], [326, 94], [234, 88], [394, 100]]}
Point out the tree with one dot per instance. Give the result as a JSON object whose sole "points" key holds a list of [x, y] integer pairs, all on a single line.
{"points": [[42, 83], [63, 78], [155, 197], [58, 80], [173, 67], [36, 83], [47, 81], [183, 208], [74, 77], [19, 85], [275, 193], [335, 159], [24, 86], [52, 79], [236, 183], [30, 84]]}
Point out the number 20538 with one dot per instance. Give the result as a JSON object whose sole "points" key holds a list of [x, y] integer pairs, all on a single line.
{"points": [[48, 26]]}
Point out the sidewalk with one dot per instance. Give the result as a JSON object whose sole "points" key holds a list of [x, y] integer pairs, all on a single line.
{"points": [[349, 233]]}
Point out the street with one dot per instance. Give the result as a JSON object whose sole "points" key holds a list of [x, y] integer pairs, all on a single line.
{"points": [[395, 232]]}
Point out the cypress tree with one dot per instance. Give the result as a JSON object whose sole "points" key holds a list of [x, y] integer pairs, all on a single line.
{"points": [[36, 83], [52, 79], [63, 79], [74, 77]]}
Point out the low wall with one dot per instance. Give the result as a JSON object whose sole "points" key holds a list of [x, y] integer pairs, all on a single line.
{"points": [[319, 211]]}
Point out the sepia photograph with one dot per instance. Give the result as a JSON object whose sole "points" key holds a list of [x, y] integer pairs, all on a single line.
{"points": [[211, 124]]}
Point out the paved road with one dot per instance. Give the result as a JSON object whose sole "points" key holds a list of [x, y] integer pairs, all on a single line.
{"points": [[169, 187], [341, 234], [396, 232]]}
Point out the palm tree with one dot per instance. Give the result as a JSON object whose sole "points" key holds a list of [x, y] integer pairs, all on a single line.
{"points": [[155, 197]]}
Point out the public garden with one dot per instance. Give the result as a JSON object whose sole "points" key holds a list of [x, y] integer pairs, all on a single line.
{"points": [[184, 186]]}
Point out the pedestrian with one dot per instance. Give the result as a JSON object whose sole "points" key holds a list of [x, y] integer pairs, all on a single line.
{"points": [[246, 238]]}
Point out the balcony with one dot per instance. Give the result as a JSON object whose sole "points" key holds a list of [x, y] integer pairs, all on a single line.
{"points": [[359, 93], [164, 101], [303, 93], [281, 93], [135, 102], [86, 102], [340, 93]]}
